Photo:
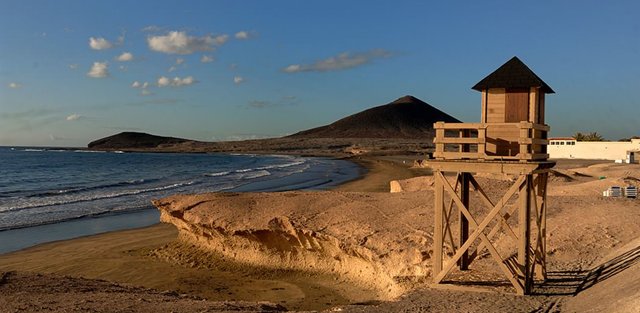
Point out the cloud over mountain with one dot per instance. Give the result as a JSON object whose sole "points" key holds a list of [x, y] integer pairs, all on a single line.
{"points": [[342, 61]]}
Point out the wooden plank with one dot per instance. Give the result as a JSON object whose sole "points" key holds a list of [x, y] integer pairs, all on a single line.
{"points": [[533, 104], [438, 207], [475, 166], [459, 140], [456, 155], [495, 105], [483, 115], [447, 219], [517, 105], [442, 125]]}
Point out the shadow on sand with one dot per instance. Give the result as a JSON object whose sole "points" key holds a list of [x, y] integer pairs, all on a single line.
{"points": [[570, 283]]}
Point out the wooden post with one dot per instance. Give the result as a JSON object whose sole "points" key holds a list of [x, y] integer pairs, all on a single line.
{"points": [[438, 229], [524, 198], [464, 196], [464, 223], [482, 142], [540, 270]]}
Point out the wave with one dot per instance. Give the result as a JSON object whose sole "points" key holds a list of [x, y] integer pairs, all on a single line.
{"points": [[217, 174], [33, 150], [89, 151], [93, 197], [268, 167], [257, 174], [79, 189], [110, 212]]}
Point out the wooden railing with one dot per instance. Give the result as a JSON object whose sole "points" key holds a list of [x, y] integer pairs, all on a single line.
{"points": [[523, 141]]}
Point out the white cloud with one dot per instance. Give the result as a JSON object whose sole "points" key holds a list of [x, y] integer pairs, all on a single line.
{"points": [[342, 61], [125, 57], [137, 84], [73, 66], [176, 81], [266, 104], [99, 70], [99, 43], [14, 85], [292, 68], [244, 35], [152, 28], [238, 80], [206, 59], [221, 39], [179, 61], [120, 41], [176, 42], [74, 117], [171, 69]]}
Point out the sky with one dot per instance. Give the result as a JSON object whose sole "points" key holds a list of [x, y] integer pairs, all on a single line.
{"points": [[75, 71]]}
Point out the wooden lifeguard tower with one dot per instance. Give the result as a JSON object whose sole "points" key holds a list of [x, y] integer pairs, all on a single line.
{"points": [[511, 139]]}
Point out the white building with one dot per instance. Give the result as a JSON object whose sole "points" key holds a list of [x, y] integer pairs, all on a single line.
{"points": [[569, 148]]}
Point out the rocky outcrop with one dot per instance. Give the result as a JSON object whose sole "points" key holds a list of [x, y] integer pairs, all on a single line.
{"points": [[133, 140], [379, 241], [421, 183]]}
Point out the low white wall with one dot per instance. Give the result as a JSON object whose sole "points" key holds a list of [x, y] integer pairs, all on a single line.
{"points": [[598, 150]]}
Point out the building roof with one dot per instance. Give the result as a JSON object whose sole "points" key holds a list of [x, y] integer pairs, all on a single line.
{"points": [[562, 138], [513, 74]]}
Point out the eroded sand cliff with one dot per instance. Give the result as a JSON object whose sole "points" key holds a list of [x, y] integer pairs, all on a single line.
{"points": [[380, 241]]}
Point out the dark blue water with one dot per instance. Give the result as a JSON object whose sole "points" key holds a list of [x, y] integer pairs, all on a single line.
{"points": [[46, 189]]}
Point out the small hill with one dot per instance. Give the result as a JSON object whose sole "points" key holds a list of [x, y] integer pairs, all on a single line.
{"points": [[406, 117], [133, 140]]}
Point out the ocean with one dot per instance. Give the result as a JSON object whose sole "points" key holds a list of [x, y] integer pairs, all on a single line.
{"points": [[54, 194]]}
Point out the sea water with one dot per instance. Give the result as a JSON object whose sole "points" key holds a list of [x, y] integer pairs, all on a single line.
{"points": [[53, 194]]}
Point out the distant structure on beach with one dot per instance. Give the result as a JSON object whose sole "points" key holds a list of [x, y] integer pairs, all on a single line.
{"points": [[570, 148], [510, 139]]}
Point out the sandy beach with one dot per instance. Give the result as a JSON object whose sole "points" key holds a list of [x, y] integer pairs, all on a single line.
{"points": [[585, 260], [128, 257]]}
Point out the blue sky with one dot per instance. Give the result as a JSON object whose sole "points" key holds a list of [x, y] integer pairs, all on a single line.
{"points": [[75, 71]]}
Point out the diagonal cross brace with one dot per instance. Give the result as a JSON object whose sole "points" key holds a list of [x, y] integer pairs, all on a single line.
{"points": [[478, 232]]}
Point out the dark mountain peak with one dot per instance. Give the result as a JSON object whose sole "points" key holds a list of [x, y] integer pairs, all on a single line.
{"points": [[407, 99], [133, 140], [406, 117]]}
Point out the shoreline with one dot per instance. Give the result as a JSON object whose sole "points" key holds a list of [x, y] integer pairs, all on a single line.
{"points": [[128, 257], [24, 236]]}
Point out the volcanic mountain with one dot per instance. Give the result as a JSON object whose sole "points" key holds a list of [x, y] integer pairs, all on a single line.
{"points": [[128, 140], [406, 117]]}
